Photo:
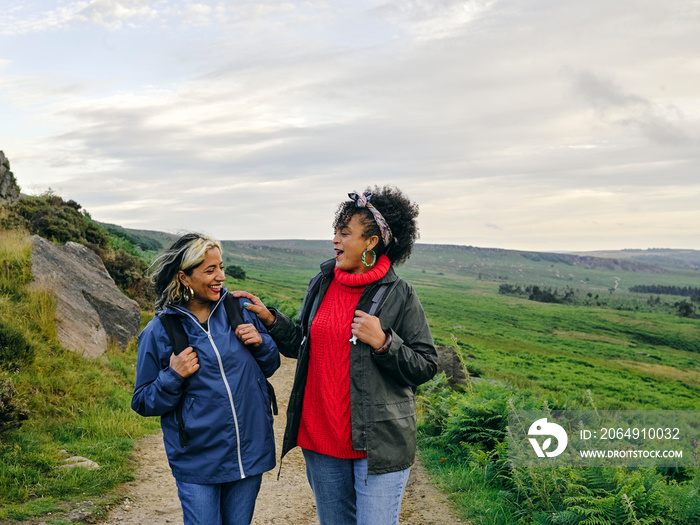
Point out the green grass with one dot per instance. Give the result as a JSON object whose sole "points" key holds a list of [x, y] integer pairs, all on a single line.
{"points": [[77, 405], [629, 360], [468, 487], [613, 350]]}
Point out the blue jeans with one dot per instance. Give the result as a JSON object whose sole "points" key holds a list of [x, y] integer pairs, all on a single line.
{"points": [[219, 504], [346, 495]]}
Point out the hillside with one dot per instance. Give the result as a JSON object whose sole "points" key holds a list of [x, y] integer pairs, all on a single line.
{"points": [[681, 259], [589, 270], [302, 257]]}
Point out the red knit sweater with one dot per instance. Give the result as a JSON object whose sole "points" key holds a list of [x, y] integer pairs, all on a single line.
{"points": [[325, 417]]}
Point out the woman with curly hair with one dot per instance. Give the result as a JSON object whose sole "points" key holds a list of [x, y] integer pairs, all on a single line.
{"points": [[352, 408]]}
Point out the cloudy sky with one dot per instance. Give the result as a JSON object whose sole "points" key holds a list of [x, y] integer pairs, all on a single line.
{"points": [[528, 124]]}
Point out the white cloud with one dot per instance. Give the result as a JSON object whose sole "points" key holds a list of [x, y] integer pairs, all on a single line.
{"points": [[430, 20], [511, 123], [112, 14], [661, 124]]}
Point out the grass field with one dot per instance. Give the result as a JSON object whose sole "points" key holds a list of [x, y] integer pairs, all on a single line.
{"points": [[608, 350], [626, 357]]}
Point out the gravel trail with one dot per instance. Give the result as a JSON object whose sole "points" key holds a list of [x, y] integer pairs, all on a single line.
{"points": [[152, 498]]}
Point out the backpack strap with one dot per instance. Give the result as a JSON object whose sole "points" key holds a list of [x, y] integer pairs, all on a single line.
{"points": [[178, 338], [233, 310], [381, 295], [176, 332], [235, 317]]}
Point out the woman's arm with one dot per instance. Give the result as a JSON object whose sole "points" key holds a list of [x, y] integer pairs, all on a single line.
{"points": [[265, 352], [411, 358], [285, 332], [158, 388]]}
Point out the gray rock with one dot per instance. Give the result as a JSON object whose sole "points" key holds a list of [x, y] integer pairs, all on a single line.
{"points": [[450, 362], [90, 310], [9, 191], [79, 461]]}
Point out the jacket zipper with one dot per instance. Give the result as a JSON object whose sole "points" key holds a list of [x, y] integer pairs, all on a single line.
{"points": [[223, 377]]}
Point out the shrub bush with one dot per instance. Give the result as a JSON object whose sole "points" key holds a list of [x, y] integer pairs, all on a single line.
{"points": [[469, 430], [235, 272], [15, 349], [12, 411], [59, 221]]}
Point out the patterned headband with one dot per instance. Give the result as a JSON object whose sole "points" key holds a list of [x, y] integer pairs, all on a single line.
{"points": [[362, 201]]}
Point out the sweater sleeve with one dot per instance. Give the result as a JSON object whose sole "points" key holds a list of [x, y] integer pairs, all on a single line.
{"points": [[158, 387]]}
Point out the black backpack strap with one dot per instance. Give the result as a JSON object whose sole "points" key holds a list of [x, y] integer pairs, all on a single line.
{"points": [[178, 338], [233, 310], [273, 397], [381, 294], [235, 317], [176, 332]]}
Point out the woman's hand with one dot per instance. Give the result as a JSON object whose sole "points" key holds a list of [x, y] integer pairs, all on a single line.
{"points": [[257, 307], [248, 335], [368, 329], [185, 363]]}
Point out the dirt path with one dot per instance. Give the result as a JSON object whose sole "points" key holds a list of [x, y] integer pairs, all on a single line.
{"points": [[152, 498]]}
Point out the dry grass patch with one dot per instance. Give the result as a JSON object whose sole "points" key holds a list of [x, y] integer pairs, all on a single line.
{"points": [[591, 337], [689, 377]]}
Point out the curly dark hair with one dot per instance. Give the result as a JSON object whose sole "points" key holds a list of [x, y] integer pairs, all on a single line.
{"points": [[398, 211]]}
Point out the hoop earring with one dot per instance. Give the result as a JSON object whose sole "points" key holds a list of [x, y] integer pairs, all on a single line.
{"points": [[187, 296], [374, 257]]}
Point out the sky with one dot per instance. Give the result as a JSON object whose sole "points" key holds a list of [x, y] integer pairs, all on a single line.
{"points": [[529, 124]]}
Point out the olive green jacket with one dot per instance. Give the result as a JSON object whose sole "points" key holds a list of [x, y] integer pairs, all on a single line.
{"points": [[383, 410]]}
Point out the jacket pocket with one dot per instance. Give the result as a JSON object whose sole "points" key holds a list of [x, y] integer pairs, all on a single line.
{"points": [[182, 414], [264, 393], [391, 436]]}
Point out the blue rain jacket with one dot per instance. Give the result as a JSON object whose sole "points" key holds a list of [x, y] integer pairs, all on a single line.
{"points": [[225, 403]]}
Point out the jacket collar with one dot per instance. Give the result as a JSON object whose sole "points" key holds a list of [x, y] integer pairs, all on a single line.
{"points": [[181, 310]]}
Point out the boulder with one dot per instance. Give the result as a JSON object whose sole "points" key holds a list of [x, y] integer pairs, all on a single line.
{"points": [[90, 310], [79, 461], [450, 363], [9, 191]]}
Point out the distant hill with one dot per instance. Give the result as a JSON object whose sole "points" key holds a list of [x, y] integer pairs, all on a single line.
{"points": [[299, 260], [147, 240], [668, 258]]}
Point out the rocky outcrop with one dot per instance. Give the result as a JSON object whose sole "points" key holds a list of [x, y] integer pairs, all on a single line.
{"points": [[450, 363], [90, 310], [9, 191]]}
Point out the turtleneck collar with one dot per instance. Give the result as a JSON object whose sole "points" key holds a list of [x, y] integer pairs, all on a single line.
{"points": [[363, 279]]}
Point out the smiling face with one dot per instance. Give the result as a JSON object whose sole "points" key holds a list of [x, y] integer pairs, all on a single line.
{"points": [[349, 244], [206, 280]]}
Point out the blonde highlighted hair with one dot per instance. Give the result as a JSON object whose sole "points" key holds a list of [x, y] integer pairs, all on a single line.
{"points": [[185, 254]]}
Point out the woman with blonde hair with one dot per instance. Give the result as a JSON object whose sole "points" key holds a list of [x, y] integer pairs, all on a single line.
{"points": [[212, 396]]}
